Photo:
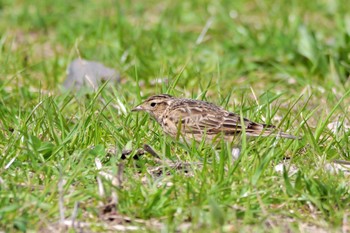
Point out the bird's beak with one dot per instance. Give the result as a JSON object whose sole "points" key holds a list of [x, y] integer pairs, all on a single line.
{"points": [[137, 108]]}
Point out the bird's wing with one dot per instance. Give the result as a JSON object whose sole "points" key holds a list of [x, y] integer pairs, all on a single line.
{"points": [[212, 120]]}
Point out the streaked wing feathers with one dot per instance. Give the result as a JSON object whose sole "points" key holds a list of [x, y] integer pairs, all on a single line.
{"points": [[212, 120]]}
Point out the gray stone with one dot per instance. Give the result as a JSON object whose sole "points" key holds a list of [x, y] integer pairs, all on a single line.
{"points": [[90, 74]]}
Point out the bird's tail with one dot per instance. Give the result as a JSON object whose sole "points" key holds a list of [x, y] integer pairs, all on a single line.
{"points": [[285, 135], [269, 130], [268, 133]]}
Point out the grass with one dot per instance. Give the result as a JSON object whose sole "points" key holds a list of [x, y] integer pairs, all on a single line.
{"points": [[281, 63]]}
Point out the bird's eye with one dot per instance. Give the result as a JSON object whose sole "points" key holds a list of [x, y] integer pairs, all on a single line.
{"points": [[153, 104]]}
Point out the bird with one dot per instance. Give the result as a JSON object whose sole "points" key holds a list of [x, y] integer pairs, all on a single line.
{"points": [[190, 119]]}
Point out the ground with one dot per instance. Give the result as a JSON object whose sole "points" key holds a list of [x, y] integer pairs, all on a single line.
{"points": [[72, 160]]}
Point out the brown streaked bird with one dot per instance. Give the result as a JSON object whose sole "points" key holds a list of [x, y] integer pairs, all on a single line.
{"points": [[198, 120]]}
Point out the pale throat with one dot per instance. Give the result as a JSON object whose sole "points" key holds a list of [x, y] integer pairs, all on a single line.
{"points": [[162, 117]]}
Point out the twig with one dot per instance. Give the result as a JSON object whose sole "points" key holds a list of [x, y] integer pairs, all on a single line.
{"points": [[338, 161], [128, 152], [75, 213], [150, 150], [204, 31]]}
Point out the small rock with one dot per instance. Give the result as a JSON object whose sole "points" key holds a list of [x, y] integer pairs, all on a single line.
{"points": [[235, 153], [284, 165], [338, 166], [337, 126], [90, 74]]}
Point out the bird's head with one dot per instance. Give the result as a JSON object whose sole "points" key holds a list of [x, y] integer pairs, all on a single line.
{"points": [[155, 105]]}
